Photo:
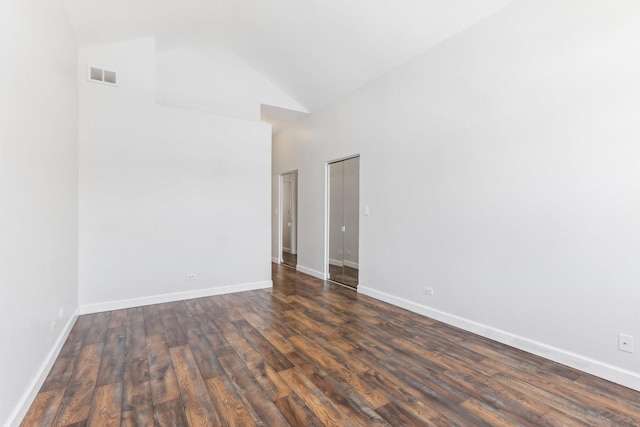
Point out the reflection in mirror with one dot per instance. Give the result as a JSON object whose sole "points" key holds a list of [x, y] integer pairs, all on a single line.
{"points": [[290, 219], [344, 221], [336, 221]]}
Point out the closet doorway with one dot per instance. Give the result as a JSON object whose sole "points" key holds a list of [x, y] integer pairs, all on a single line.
{"points": [[289, 225], [343, 215]]}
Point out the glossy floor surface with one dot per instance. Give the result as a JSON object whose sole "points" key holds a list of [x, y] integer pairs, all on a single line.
{"points": [[308, 353]]}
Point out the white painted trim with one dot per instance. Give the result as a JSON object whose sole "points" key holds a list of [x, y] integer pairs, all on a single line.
{"points": [[594, 367], [275, 260], [176, 296], [311, 272], [335, 262], [20, 410], [287, 250]]}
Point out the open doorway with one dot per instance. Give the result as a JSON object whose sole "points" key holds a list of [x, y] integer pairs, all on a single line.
{"points": [[289, 225]]}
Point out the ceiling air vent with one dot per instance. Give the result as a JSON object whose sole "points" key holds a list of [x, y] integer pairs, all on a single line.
{"points": [[99, 75]]}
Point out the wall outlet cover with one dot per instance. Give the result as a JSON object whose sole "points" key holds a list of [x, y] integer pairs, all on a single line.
{"points": [[625, 343]]}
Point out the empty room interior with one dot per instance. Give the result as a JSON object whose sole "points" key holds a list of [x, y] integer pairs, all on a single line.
{"points": [[281, 212]]}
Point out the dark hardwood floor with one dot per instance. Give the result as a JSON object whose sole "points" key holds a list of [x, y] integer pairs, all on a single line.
{"points": [[308, 353]]}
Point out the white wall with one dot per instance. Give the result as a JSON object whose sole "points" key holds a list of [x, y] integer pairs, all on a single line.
{"points": [[165, 192], [519, 141], [38, 191], [213, 79]]}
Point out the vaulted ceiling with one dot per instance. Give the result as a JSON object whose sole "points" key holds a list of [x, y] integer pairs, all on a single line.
{"points": [[314, 50]]}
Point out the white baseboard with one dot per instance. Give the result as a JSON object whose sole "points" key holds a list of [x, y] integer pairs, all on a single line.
{"points": [[287, 250], [310, 272], [177, 296], [594, 367], [335, 262], [275, 260], [20, 410]]}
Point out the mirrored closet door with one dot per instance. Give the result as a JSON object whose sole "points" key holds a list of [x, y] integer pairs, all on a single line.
{"points": [[344, 205], [289, 225]]}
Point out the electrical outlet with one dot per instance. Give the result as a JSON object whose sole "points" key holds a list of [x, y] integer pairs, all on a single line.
{"points": [[625, 343], [54, 323], [191, 276], [428, 291]]}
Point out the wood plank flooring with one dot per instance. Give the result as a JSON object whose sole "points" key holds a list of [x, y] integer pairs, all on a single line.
{"points": [[308, 353]]}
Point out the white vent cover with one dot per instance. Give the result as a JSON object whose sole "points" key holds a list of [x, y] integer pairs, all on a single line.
{"points": [[99, 75]]}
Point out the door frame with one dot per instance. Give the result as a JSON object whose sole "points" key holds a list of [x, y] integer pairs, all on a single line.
{"points": [[327, 210], [280, 210]]}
